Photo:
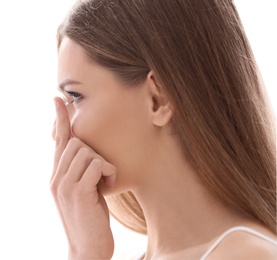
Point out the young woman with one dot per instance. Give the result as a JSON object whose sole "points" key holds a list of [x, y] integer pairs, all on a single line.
{"points": [[165, 119]]}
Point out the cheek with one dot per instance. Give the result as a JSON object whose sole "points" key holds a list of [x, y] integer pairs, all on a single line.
{"points": [[119, 133], [108, 129]]}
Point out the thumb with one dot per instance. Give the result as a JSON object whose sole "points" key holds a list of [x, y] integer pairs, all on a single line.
{"points": [[62, 131]]}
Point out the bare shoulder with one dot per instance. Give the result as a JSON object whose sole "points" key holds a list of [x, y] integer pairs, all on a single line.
{"points": [[241, 245], [237, 245]]}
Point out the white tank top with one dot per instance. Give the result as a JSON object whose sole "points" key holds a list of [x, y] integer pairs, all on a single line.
{"points": [[231, 230], [226, 233]]}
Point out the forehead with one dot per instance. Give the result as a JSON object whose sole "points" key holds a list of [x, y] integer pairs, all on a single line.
{"points": [[70, 50], [74, 64], [71, 59]]}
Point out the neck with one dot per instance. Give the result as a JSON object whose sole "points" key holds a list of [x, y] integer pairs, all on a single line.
{"points": [[180, 213]]}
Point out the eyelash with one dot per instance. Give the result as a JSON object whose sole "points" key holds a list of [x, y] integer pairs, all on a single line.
{"points": [[74, 95]]}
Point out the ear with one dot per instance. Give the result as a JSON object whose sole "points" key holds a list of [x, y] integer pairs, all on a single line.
{"points": [[160, 108]]}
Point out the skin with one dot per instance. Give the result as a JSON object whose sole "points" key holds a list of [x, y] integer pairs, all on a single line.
{"points": [[116, 138]]}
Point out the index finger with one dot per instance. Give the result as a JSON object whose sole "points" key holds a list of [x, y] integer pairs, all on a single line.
{"points": [[62, 133]]}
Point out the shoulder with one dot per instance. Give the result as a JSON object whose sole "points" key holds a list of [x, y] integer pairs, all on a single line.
{"points": [[241, 245]]}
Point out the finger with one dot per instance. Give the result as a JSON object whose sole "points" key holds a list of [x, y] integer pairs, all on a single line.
{"points": [[62, 133], [54, 130], [109, 175], [74, 155], [96, 170], [68, 155], [81, 162], [78, 165]]}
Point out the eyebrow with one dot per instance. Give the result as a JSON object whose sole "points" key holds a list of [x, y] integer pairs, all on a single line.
{"points": [[68, 82]]}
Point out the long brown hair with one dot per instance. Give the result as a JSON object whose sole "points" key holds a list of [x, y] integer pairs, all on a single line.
{"points": [[201, 57]]}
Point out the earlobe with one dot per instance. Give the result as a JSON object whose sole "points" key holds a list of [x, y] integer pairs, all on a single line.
{"points": [[161, 108]]}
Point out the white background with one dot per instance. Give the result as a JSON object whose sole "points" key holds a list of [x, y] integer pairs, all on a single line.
{"points": [[29, 224]]}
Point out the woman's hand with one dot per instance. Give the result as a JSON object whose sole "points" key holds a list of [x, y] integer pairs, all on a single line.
{"points": [[83, 210]]}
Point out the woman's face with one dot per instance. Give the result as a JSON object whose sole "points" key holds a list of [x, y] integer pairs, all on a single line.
{"points": [[110, 117]]}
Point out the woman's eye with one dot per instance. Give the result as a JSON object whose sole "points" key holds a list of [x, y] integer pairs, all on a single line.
{"points": [[74, 96]]}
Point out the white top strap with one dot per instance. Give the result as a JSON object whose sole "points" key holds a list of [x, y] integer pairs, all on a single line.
{"points": [[231, 230]]}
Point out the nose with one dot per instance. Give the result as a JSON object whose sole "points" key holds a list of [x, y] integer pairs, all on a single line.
{"points": [[70, 111], [71, 114]]}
